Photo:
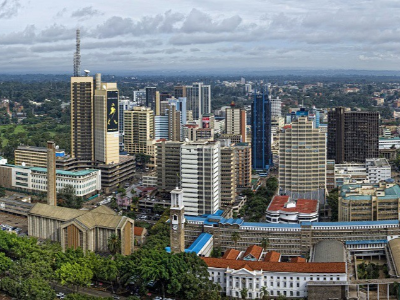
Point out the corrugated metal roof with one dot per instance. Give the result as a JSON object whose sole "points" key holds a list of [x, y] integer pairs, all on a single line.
{"points": [[199, 243]]}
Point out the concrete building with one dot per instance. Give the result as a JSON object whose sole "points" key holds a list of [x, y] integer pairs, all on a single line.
{"points": [[139, 98], [139, 130], [152, 99], [124, 104], [228, 176], [284, 210], [389, 143], [276, 108], [201, 177], [74, 228], [198, 99], [168, 165], [32, 156], [369, 202], [34, 179], [106, 118], [235, 122], [82, 136], [161, 127], [174, 123], [179, 91], [243, 165], [302, 161], [352, 135]]}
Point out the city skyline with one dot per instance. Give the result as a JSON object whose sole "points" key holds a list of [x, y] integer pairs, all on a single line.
{"points": [[141, 36]]}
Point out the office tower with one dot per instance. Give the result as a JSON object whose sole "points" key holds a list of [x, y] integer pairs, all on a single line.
{"points": [[261, 132], [235, 121], [82, 118], [177, 217], [161, 128], [174, 123], [153, 99], [302, 161], [201, 177], [168, 165], [198, 99], [124, 104], [179, 91], [276, 107], [139, 130], [180, 104], [243, 165], [139, 97], [228, 175], [248, 88], [353, 136], [311, 113]]}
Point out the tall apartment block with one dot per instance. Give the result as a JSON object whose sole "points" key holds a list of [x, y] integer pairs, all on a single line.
{"points": [[302, 161], [201, 177], [228, 176], [168, 165], [353, 136], [174, 123], [106, 120], [198, 99], [261, 132], [235, 122], [82, 137], [139, 130], [243, 165]]}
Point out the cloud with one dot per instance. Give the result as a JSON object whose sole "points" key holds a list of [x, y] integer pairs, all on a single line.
{"points": [[198, 21], [9, 8], [85, 13]]}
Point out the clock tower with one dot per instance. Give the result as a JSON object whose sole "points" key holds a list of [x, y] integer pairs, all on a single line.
{"points": [[177, 221]]}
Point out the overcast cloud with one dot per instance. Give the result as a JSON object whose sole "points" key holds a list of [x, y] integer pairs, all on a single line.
{"points": [[129, 36]]}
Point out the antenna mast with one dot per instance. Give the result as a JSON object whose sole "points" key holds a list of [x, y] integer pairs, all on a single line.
{"points": [[77, 55]]}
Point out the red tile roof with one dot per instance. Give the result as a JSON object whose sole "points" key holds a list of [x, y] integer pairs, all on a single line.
{"points": [[254, 250], [302, 205], [138, 230], [231, 254], [298, 260], [312, 267], [272, 256]]}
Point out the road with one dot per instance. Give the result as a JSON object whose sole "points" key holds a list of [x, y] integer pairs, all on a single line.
{"points": [[83, 290]]}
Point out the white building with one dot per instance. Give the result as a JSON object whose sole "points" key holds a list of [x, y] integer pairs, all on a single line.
{"points": [[387, 143], [236, 273], [149, 181], [276, 107], [378, 169], [284, 210], [198, 99], [85, 182], [161, 127], [201, 177]]}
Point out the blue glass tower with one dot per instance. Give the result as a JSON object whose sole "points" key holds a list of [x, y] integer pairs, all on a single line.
{"points": [[261, 132]]}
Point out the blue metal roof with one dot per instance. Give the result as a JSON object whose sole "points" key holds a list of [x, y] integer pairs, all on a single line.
{"points": [[356, 223], [366, 242], [199, 243], [253, 224], [219, 212]]}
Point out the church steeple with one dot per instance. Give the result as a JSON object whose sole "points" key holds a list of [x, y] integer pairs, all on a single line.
{"points": [[177, 221]]}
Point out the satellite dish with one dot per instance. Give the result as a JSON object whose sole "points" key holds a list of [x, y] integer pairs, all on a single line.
{"points": [[87, 72]]}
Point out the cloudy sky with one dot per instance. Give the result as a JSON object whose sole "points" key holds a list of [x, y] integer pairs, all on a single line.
{"points": [[140, 35]]}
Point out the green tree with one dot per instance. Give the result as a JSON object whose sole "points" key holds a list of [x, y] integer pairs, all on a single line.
{"points": [[264, 293], [235, 237], [5, 263], [75, 274], [2, 190], [243, 293], [333, 202], [114, 244], [67, 198], [264, 243]]}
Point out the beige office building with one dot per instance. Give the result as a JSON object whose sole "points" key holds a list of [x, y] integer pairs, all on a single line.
{"points": [[106, 134], [228, 176], [235, 122], [82, 136], [243, 165], [139, 130], [302, 161]]}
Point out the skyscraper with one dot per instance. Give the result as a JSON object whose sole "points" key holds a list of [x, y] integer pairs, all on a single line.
{"points": [[302, 160], [153, 99], [82, 118], [201, 177], [353, 136], [228, 175], [236, 121], [168, 165], [261, 132], [198, 99], [106, 129], [139, 129]]}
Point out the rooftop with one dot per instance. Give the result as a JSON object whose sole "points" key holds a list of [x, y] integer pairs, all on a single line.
{"points": [[254, 250], [283, 203], [59, 172], [231, 254], [199, 243]]}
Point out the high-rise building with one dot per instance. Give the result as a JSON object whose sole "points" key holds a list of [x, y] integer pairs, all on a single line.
{"points": [[151, 97], [198, 99], [243, 165], [311, 113], [174, 124], [164, 96], [82, 137], [228, 175], [302, 161], [106, 129], [261, 132], [180, 104], [161, 128], [353, 136], [201, 177], [236, 121], [179, 91], [124, 104], [139, 130], [139, 97], [168, 165], [276, 107]]}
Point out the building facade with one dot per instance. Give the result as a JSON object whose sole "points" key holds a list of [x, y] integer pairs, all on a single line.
{"points": [[243, 165], [235, 122], [168, 165], [198, 99], [302, 161], [353, 136], [228, 176], [201, 177], [261, 132], [32, 156]]}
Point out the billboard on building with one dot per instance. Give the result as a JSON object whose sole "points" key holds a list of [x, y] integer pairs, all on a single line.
{"points": [[112, 111], [205, 122]]}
